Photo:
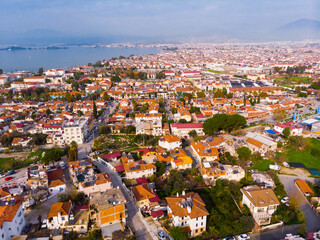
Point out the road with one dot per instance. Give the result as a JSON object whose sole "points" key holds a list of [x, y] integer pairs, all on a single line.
{"points": [[312, 220], [276, 234], [20, 178], [84, 149], [135, 220]]}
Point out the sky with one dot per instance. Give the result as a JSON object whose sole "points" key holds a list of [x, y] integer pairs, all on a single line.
{"points": [[171, 18]]}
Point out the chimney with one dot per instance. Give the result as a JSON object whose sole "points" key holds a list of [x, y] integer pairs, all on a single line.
{"points": [[183, 193], [177, 194], [189, 209]]}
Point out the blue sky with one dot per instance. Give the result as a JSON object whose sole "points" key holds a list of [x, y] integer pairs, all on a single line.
{"points": [[151, 17]]}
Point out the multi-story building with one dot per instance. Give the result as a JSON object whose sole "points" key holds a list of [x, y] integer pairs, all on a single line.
{"points": [[76, 130], [262, 203], [12, 218], [59, 215], [183, 129], [188, 210]]}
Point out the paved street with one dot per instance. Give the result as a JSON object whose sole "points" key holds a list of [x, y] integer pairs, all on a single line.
{"points": [[276, 234], [135, 220], [312, 220]]}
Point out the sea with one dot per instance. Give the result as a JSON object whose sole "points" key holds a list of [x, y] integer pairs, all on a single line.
{"points": [[32, 60]]}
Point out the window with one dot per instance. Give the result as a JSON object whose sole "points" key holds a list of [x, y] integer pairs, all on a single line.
{"points": [[196, 230], [62, 218], [202, 224]]}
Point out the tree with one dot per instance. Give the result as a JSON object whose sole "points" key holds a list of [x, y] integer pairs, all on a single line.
{"points": [[104, 129], [279, 115], [105, 97], [193, 133], [115, 79], [178, 233], [174, 110], [161, 168], [48, 112], [201, 95], [73, 152], [302, 231], [73, 235], [95, 113], [51, 155], [286, 132], [182, 120], [243, 153], [223, 122]]}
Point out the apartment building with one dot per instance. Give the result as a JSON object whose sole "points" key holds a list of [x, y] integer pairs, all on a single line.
{"points": [[12, 218], [76, 130], [188, 210]]}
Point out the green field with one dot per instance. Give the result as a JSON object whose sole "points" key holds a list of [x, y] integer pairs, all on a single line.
{"points": [[306, 157], [213, 71], [261, 164]]}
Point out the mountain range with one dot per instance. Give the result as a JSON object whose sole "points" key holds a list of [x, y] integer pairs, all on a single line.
{"points": [[300, 29]]}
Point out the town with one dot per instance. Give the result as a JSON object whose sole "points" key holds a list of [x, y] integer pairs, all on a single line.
{"points": [[199, 141]]}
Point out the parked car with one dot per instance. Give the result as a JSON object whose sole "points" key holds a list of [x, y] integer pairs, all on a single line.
{"points": [[285, 199], [230, 238], [12, 172], [244, 236], [27, 228], [161, 235], [8, 178], [2, 175], [44, 223]]}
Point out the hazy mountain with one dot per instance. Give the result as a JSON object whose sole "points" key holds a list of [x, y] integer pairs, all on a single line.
{"points": [[299, 30]]}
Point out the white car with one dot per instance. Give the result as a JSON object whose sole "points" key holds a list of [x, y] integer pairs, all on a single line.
{"points": [[285, 199], [44, 223], [2, 175], [244, 236]]}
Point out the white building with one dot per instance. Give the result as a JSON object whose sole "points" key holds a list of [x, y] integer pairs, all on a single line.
{"points": [[170, 142], [76, 130], [12, 218], [262, 203], [35, 79], [59, 215], [188, 210], [183, 129]]}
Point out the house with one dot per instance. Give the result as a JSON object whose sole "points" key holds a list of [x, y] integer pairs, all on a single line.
{"points": [[203, 151], [59, 215], [37, 177], [259, 143], [111, 210], [294, 130], [12, 218], [181, 160], [262, 203], [188, 210], [183, 129], [98, 183], [136, 170], [56, 181], [170, 142], [145, 197]]}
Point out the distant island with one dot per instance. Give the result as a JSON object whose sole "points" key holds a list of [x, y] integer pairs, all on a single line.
{"points": [[17, 48]]}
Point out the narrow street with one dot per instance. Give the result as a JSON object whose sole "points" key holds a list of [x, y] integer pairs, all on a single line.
{"points": [[312, 220], [135, 220]]}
